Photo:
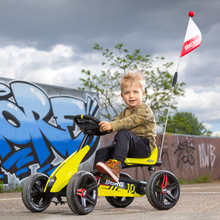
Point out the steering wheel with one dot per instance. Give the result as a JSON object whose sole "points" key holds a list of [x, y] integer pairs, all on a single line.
{"points": [[89, 124]]}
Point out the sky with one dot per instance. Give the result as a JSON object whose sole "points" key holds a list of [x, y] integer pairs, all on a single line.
{"points": [[51, 41]]}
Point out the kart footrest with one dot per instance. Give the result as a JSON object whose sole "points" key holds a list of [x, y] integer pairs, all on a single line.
{"points": [[61, 203]]}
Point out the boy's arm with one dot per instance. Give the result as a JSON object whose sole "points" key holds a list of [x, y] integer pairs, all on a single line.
{"points": [[139, 117], [106, 126], [119, 116]]}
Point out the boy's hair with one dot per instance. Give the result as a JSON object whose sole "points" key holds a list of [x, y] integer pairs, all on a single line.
{"points": [[133, 77]]}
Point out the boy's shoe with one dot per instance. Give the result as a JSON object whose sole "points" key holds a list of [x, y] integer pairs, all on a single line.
{"points": [[110, 168]]}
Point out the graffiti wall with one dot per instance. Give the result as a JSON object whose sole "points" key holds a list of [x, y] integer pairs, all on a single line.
{"points": [[37, 131], [188, 157]]}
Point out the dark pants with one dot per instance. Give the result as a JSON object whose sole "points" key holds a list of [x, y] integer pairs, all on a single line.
{"points": [[126, 144]]}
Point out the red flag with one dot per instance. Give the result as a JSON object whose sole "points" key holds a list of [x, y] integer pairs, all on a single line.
{"points": [[193, 38]]}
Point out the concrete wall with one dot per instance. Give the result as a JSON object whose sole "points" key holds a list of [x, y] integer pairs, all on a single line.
{"points": [[37, 131], [188, 157]]}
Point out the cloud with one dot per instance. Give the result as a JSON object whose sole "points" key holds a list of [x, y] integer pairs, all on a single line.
{"points": [[216, 134], [154, 26], [208, 126], [59, 66], [51, 42], [204, 105]]}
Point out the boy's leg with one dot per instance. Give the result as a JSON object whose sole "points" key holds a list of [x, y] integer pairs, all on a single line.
{"points": [[104, 163], [128, 144], [103, 154]]}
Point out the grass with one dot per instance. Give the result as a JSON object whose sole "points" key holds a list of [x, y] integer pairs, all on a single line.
{"points": [[17, 189], [1, 186], [201, 179]]}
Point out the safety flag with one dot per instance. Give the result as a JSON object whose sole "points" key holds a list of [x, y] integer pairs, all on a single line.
{"points": [[193, 38]]}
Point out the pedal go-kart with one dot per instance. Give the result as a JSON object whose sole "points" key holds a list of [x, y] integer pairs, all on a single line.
{"points": [[82, 188]]}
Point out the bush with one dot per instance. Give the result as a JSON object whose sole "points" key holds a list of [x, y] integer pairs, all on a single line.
{"points": [[182, 181], [1, 186], [201, 179], [17, 189]]}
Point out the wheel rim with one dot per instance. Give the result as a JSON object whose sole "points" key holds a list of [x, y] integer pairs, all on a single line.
{"points": [[37, 193], [120, 202], [87, 192], [166, 190], [120, 199]]}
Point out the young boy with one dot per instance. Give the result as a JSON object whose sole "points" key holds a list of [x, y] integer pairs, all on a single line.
{"points": [[136, 129]]}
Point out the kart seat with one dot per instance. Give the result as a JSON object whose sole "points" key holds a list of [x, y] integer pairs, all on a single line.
{"points": [[150, 161]]}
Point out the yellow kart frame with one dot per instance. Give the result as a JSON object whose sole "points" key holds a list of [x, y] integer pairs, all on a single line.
{"points": [[82, 188]]}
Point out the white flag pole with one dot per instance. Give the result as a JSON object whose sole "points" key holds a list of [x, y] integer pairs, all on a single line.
{"points": [[171, 95]]}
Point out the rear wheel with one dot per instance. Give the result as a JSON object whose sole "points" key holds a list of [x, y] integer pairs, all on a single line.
{"points": [[33, 195], [82, 192], [163, 190], [120, 202]]}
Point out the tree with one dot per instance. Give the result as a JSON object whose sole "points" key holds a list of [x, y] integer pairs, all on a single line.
{"points": [[186, 123], [107, 84]]}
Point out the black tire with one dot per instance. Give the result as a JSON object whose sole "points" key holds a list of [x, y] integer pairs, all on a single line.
{"points": [[163, 190], [120, 202], [33, 195], [82, 193]]}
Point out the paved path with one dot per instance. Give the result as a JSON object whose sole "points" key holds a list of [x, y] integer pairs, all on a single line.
{"points": [[200, 201]]}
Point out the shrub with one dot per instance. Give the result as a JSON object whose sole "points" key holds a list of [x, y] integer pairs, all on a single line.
{"points": [[201, 179], [1, 186]]}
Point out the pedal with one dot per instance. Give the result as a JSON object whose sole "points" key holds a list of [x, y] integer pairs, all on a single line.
{"points": [[56, 203], [151, 168], [59, 201], [104, 177]]}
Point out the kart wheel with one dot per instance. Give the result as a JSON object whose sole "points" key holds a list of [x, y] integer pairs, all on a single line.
{"points": [[163, 190], [82, 192], [33, 195], [120, 202]]}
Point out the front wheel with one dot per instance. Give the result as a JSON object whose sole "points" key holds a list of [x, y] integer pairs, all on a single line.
{"points": [[82, 192], [120, 202], [33, 195], [163, 190]]}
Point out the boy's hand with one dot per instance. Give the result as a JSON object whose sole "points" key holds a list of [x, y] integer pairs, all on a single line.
{"points": [[105, 126]]}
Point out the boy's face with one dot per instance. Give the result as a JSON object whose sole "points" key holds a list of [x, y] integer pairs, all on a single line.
{"points": [[132, 95]]}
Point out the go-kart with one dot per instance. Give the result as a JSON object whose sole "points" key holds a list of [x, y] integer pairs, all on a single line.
{"points": [[81, 188]]}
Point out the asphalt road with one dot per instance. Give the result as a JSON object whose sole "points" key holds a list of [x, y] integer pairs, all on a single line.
{"points": [[200, 201]]}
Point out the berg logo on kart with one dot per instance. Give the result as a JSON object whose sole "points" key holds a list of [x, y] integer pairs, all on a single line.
{"points": [[119, 184], [150, 161], [164, 190]]}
